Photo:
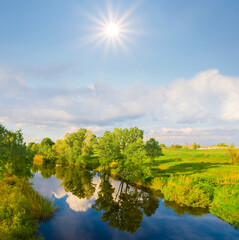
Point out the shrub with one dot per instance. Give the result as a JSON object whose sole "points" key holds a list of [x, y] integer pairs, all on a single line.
{"points": [[187, 191], [226, 203], [158, 183], [186, 196], [20, 209], [233, 154]]}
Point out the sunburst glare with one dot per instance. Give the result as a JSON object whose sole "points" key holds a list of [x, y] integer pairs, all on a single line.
{"points": [[110, 29]]}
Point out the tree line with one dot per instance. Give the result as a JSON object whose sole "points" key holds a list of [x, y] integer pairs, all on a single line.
{"points": [[123, 150]]}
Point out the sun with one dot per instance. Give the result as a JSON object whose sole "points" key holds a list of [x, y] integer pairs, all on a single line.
{"points": [[112, 30]]}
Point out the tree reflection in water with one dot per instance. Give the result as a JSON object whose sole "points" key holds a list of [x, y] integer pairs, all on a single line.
{"points": [[125, 210], [122, 206], [47, 169], [79, 182]]}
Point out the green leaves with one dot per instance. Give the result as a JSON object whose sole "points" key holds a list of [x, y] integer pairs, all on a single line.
{"points": [[127, 148], [108, 148], [153, 149], [14, 156]]}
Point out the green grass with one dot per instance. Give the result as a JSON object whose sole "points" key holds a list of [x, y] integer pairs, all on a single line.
{"points": [[199, 178], [20, 209], [206, 179]]}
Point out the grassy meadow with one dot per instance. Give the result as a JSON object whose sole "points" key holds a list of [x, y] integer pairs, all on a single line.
{"points": [[199, 178]]}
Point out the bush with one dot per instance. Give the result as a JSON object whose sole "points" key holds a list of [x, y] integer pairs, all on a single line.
{"points": [[226, 204], [158, 183], [186, 196], [20, 209], [233, 154], [187, 191]]}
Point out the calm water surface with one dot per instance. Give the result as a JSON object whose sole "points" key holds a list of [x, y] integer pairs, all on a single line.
{"points": [[93, 206]]}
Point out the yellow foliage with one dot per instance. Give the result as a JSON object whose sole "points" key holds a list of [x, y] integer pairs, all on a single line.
{"points": [[38, 159]]}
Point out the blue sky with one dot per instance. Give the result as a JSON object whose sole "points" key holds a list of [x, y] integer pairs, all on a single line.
{"points": [[177, 77]]}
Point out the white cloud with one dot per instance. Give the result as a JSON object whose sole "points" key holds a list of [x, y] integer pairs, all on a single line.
{"points": [[207, 98], [79, 205], [204, 134]]}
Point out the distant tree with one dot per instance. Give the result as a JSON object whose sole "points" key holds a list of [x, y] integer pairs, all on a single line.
{"points": [[176, 146], [153, 149], [162, 145], [232, 145], [195, 146], [222, 145]]}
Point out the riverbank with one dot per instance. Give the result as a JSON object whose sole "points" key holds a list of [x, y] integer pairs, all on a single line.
{"points": [[197, 178], [21, 208]]}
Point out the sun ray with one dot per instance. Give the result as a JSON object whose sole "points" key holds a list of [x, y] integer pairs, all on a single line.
{"points": [[111, 29]]}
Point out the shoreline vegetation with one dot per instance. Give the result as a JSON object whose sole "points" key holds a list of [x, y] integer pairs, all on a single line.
{"points": [[190, 177], [21, 208], [205, 178], [197, 179]]}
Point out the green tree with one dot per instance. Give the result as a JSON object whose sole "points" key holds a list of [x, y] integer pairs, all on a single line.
{"points": [[45, 148], [153, 149], [61, 148], [222, 145], [131, 135], [195, 146], [136, 168], [15, 159], [47, 142], [108, 149], [88, 144], [79, 144]]}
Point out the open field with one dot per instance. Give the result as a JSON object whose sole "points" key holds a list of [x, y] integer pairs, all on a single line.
{"points": [[199, 178]]}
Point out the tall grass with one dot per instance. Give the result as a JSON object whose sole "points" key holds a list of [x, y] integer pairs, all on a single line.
{"points": [[20, 209]]}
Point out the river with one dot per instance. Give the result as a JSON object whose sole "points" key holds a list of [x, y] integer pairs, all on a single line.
{"points": [[94, 206]]}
